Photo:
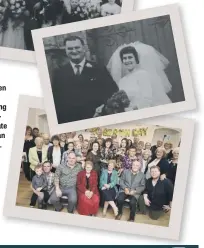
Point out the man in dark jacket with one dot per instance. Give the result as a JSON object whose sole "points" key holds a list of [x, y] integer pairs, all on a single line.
{"points": [[158, 194], [80, 88]]}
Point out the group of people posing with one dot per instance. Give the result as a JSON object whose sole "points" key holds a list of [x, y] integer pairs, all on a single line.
{"points": [[100, 172], [21, 16]]}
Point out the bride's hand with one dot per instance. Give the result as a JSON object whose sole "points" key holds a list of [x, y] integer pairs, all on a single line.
{"points": [[99, 110]]}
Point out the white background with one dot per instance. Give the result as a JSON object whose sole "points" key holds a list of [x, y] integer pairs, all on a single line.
{"points": [[21, 78]]}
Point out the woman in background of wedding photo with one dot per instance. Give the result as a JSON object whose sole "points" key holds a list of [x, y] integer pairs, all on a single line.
{"points": [[19, 17], [12, 24]]}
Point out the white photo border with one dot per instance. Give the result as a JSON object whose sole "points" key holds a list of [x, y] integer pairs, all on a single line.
{"points": [[29, 56], [188, 104], [170, 232]]}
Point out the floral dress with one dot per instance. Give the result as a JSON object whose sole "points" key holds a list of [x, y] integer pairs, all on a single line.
{"points": [[106, 155]]}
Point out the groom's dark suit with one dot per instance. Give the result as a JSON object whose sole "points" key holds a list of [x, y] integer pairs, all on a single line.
{"points": [[76, 97]]}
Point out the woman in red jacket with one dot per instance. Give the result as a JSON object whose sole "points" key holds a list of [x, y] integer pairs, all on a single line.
{"points": [[87, 190]]}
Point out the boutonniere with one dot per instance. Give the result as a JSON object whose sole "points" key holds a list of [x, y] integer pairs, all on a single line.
{"points": [[89, 65]]}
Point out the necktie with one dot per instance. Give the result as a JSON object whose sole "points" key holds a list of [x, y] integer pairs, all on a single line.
{"points": [[78, 70]]}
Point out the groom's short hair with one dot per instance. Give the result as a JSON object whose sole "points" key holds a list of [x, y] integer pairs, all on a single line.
{"points": [[73, 38], [129, 49]]}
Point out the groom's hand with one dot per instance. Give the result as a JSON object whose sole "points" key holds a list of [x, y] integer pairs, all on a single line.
{"points": [[99, 110]]}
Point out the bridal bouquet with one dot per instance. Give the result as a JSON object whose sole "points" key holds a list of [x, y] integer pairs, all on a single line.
{"points": [[94, 8], [17, 7], [117, 103], [87, 9]]}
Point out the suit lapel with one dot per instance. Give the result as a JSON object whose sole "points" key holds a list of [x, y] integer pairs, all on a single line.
{"points": [[85, 71], [136, 178], [70, 70], [129, 178], [87, 68]]}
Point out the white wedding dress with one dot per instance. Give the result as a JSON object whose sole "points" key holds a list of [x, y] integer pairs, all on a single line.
{"points": [[147, 85], [139, 88]]}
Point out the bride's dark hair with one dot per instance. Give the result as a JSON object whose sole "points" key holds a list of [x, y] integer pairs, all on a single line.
{"points": [[129, 49]]}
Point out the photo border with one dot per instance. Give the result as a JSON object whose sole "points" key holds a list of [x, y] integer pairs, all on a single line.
{"points": [[171, 232], [29, 56], [188, 104]]}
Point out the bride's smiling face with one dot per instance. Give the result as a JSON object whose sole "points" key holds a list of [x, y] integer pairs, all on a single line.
{"points": [[129, 61]]}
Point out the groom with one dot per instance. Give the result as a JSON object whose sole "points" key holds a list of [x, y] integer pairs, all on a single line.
{"points": [[80, 88]]}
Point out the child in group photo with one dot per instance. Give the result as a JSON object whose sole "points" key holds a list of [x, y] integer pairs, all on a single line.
{"points": [[102, 172]]}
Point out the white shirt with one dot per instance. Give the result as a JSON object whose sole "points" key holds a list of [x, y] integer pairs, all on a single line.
{"points": [[82, 63], [56, 156], [144, 164]]}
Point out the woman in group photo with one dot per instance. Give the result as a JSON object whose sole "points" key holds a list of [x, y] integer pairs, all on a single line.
{"points": [[87, 189], [108, 185], [96, 175]]}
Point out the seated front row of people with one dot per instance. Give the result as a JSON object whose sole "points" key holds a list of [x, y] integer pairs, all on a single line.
{"points": [[82, 186]]}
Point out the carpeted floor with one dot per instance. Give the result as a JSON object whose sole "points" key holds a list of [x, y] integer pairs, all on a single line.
{"points": [[24, 193]]}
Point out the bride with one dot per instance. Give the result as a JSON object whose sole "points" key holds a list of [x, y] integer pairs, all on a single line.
{"points": [[138, 69]]}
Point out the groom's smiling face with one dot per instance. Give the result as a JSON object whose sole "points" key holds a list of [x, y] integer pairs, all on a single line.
{"points": [[75, 51]]}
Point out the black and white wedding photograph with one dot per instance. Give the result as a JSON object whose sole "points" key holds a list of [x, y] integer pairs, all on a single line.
{"points": [[19, 17], [109, 70]]}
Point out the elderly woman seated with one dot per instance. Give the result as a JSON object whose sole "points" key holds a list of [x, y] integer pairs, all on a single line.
{"points": [[157, 195], [87, 190], [108, 182]]}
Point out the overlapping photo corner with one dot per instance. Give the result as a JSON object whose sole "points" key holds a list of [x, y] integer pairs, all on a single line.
{"points": [[19, 17]]}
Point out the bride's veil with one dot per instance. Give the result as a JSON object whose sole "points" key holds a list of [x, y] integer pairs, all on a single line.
{"points": [[149, 59]]}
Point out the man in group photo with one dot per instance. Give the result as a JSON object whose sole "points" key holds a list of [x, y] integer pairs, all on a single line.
{"points": [[89, 174]]}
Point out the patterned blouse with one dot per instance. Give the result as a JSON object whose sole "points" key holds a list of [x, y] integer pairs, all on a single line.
{"points": [[108, 154], [127, 161]]}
